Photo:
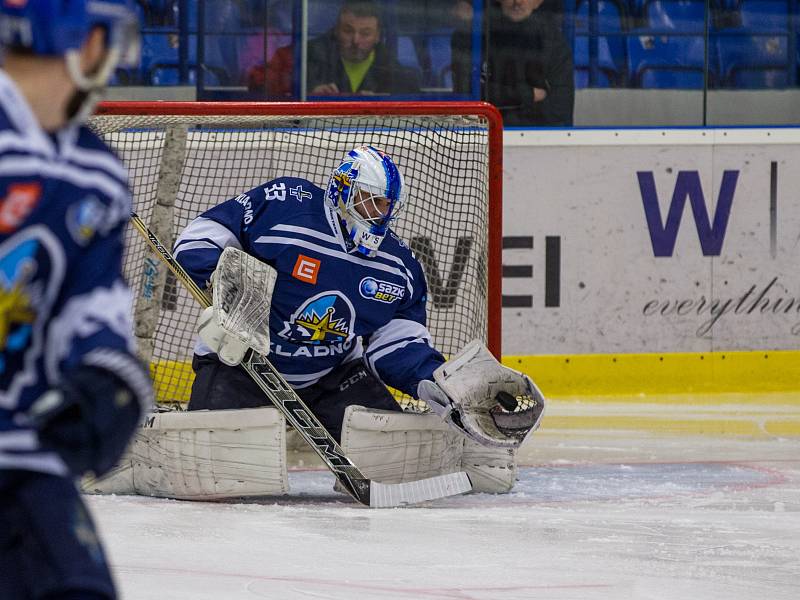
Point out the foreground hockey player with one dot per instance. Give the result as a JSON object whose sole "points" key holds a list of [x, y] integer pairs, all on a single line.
{"points": [[71, 391], [346, 315]]}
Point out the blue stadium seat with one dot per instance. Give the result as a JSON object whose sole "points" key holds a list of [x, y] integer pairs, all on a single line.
{"points": [[611, 16], [667, 61], [610, 65], [718, 9], [684, 16], [441, 59], [610, 68], [764, 15], [157, 49], [582, 80], [754, 61], [437, 55], [160, 61], [671, 78], [407, 51]]}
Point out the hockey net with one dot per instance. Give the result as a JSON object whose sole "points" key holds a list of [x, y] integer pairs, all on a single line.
{"points": [[184, 158]]}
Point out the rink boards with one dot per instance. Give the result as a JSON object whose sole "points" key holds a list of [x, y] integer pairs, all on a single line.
{"points": [[650, 261]]}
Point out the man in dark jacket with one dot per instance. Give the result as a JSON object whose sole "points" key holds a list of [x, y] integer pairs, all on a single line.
{"points": [[348, 60], [530, 71]]}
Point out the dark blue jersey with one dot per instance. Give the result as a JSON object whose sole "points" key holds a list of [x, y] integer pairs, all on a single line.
{"points": [[64, 202], [329, 305]]}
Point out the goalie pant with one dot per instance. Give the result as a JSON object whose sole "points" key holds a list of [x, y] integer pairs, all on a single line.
{"points": [[218, 386]]}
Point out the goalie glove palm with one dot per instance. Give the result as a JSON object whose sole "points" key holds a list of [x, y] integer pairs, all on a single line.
{"points": [[488, 402]]}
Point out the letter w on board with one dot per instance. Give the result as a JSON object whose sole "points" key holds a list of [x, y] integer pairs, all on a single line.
{"points": [[664, 233]]}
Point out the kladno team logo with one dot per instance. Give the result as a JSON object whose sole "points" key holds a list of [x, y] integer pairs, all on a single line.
{"points": [[342, 182], [18, 297], [327, 318]]}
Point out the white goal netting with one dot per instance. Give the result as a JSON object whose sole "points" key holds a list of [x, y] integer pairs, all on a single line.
{"points": [[181, 165]]}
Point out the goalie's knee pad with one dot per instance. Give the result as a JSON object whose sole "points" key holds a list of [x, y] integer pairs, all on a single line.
{"points": [[203, 455]]}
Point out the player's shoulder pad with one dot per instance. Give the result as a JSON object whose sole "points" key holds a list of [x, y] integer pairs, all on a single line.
{"points": [[88, 140], [396, 246], [106, 202]]}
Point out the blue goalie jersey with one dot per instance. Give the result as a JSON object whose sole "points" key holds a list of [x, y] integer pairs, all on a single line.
{"points": [[330, 305], [63, 302]]}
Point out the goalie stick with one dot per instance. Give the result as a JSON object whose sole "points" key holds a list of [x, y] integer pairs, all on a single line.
{"points": [[363, 490]]}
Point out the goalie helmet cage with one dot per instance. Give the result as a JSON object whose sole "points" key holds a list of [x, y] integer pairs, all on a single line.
{"points": [[185, 157]]}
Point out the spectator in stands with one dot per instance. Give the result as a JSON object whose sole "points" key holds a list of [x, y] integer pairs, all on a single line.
{"points": [[462, 9], [530, 71], [349, 60]]}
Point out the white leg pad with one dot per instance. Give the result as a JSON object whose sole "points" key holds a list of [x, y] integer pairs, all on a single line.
{"points": [[395, 447], [491, 470], [203, 455]]}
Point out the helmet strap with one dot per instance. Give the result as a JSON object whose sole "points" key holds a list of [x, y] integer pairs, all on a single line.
{"points": [[90, 87]]}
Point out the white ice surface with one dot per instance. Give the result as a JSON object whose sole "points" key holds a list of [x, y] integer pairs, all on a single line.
{"points": [[592, 517]]}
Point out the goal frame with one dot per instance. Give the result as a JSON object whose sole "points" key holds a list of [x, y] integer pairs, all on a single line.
{"points": [[356, 108]]}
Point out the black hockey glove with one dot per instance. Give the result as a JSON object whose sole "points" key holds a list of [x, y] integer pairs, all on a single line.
{"points": [[88, 420]]}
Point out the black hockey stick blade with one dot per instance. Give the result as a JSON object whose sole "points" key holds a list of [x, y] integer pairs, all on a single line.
{"points": [[286, 400]]}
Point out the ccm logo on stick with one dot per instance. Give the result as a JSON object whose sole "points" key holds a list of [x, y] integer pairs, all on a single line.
{"points": [[306, 269]]}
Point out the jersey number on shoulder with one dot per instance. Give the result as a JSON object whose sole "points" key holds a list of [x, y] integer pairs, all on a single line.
{"points": [[277, 191]]}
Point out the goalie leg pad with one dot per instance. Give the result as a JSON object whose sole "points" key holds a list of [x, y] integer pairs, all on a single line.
{"points": [[491, 470], [393, 447], [396, 447], [204, 455]]}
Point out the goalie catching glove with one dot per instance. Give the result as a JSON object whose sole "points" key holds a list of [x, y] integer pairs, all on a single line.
{"points": [[238, 318], [484, 400]]}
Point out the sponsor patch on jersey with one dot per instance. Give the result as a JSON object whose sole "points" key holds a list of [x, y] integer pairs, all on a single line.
{"points": [[327, 318], [20, 200], [84, 218], [306, 269], [382, 291]]}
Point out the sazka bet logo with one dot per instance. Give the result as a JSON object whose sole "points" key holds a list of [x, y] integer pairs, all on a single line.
{"points": [[325, 320], [382, 291]]}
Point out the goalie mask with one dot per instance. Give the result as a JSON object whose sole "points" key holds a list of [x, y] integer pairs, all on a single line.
{"points": [[58, 28], [367, 190]]}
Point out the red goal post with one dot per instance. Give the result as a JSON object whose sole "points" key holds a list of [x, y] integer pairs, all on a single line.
{"points": [[184, 157]]}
